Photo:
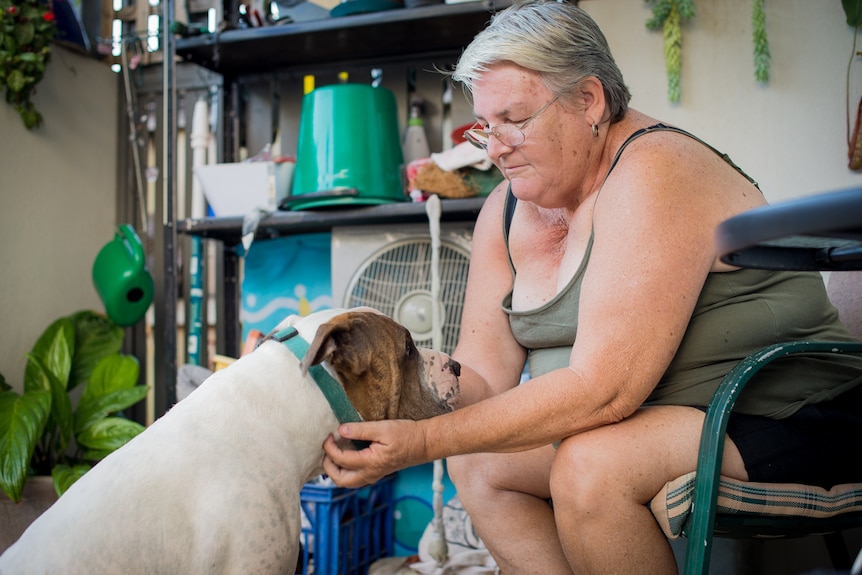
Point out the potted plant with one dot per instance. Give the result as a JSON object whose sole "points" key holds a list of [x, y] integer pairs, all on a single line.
{"points": [[27, 28], [49, 430]]}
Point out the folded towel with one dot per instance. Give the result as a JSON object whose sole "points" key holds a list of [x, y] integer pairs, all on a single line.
{"points": [[463, 155]]}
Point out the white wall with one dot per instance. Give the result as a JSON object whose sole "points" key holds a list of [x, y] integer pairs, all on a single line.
{"points": [[789, 135], [57, 201]]}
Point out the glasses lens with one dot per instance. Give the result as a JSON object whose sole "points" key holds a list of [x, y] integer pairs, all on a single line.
{"points": [[478, 138], [509, 135]]}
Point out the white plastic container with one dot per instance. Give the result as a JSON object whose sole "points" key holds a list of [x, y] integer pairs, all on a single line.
{"points": [[241, 188]]}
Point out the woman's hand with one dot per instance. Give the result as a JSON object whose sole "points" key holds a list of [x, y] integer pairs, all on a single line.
{"points": [[395, 444]]}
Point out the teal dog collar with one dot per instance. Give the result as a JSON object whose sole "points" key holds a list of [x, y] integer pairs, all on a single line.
{"points": [[331, 389]]}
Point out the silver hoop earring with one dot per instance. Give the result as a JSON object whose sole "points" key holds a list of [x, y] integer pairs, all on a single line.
{"points": [[595, 128]]}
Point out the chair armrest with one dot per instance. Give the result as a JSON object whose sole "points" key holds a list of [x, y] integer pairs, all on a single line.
{"points": [[700, 524]]}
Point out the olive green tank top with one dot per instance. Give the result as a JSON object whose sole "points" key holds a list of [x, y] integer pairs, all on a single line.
{"points": [[737, 313]]}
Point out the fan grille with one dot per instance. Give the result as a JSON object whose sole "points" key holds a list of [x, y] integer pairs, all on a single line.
{"points": [[396, 280]]}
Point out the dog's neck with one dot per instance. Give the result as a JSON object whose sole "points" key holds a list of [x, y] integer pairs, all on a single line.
{"points": [[332, 390]]}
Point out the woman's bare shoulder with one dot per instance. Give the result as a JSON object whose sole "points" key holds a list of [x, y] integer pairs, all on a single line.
{"points": [[671, 166]]}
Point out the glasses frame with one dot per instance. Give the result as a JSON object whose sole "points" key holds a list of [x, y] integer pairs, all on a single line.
{"points": [[480, 137]]}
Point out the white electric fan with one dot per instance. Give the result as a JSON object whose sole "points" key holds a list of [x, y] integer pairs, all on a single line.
{"points": [[397, 280]]}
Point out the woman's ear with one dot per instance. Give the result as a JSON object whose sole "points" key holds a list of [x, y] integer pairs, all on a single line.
{"points": [[593, 94]]}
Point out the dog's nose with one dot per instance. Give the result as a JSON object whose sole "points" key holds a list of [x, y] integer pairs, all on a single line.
{"points": [[454, 367]]}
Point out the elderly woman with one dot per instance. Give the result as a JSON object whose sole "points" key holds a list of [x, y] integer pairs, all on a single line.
{"points": [[594, 263]]}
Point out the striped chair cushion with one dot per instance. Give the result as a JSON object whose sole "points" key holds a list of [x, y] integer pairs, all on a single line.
{"points": [[672, 506]]}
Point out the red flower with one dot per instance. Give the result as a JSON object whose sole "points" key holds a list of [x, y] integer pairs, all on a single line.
{"points": [[12, 10], [48, 16]]}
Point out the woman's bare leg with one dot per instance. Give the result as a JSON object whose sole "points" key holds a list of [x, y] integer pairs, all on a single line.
{"points": [[506, 496], [603, 479]]}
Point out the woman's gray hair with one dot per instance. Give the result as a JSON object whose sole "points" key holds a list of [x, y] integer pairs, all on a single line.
{"points": [[556, 39]]}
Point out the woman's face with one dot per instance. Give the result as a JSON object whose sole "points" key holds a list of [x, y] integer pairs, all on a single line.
{"points": [[545, 169]]}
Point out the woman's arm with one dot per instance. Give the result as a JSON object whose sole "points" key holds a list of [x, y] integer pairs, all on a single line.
{"points": [[491, 359]]}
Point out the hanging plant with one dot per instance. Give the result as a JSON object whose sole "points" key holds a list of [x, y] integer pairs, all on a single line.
{"points": [[853, 11], [762, 57], [27, 28], [668, 15]]}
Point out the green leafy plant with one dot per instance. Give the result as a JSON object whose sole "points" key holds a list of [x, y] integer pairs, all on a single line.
{"points": [[762, 55], [668, 16], [41, 432], [853, 11], [27, 28]]}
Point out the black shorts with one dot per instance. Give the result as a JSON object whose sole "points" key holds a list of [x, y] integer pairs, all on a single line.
{"points": [[818, 445]]}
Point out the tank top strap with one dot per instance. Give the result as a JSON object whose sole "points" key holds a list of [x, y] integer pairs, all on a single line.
{"points": [[666, 128], [508, 213]]}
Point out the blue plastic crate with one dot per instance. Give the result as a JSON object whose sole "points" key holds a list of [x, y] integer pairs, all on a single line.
{"points": [[349, 528]]}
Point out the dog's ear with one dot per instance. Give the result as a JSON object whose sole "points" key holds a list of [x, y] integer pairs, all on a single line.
{"points": [[321, 347]]}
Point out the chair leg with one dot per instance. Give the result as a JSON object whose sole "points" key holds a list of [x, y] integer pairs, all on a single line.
{"points": [[838, 553], [698, 556]]}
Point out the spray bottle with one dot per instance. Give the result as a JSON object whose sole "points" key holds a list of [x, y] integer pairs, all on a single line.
{"points": [[415, 143]]}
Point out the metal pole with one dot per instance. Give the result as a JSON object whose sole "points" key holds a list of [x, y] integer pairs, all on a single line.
{"points": [[169, 350]]}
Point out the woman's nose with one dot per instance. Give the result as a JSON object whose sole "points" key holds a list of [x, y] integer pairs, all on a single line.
{"points": [[496, 148]]}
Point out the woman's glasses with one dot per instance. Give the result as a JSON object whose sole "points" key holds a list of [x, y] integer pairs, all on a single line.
{"points": [[510, 135]]}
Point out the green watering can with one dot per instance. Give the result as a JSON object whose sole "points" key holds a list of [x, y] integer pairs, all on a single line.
{"points": [[121, 277]]}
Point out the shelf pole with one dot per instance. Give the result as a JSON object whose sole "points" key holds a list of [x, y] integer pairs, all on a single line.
{"points": [[168, 376]]}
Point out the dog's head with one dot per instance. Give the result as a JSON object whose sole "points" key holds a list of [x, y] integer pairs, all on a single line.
{"points": [[382, 371]]}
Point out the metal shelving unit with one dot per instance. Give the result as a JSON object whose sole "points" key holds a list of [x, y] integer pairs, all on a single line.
{"points": [[392, 35], [228, 230], [397, 35]]}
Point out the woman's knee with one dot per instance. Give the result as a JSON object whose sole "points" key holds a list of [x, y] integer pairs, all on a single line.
{"points": [[475, 471], [582, 473], [462, 470]]}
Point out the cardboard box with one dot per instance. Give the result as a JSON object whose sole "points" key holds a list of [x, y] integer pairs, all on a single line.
{"points": [[241, 188]]}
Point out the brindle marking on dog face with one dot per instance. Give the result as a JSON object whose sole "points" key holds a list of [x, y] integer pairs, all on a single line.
{"points": [[379, 383]]}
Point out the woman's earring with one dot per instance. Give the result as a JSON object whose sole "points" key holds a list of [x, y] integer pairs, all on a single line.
{"points": [[595, 130]]}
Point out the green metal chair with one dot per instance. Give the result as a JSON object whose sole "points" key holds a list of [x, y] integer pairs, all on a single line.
{"points": [[704, 521], [707, 518]]}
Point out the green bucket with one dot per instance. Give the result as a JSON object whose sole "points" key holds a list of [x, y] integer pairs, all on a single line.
{"points": [[349, 149]]}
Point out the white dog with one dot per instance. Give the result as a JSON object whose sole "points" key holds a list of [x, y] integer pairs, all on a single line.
{"points": [[213, 485]]}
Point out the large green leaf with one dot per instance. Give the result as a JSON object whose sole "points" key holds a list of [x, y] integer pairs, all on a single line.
{"points": [[113, 373], [22, 418], [96, 336], [52, 353], [111, 388], [853, 11], [109, 434], [61, 404], [95, 454], [95, 409], [64, 476]]}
